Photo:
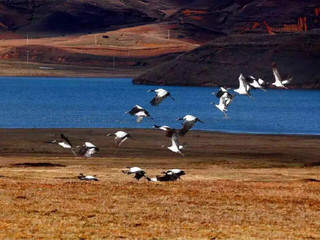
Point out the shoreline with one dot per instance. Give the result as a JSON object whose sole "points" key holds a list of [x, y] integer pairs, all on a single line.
{"points": [[242, 150], [313, 135], [129, 74]]}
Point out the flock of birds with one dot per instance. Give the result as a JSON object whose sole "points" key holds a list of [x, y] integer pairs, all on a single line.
{"points": [[88, 149]]}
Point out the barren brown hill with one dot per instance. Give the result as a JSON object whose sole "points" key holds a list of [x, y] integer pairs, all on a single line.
{"points": [[221, 61]]}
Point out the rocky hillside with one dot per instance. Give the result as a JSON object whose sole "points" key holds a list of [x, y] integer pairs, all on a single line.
{"points": [[254, 34], [221, 61]]}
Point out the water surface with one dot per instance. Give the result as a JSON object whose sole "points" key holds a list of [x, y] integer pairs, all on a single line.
{"points": [[28, 102]]}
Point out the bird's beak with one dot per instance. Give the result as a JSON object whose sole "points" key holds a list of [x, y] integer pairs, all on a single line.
{"points": [[150, 91], [200, 121], [171, 98], [179, 119]]}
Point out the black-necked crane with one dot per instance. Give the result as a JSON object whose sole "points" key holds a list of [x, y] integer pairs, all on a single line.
{"points": [[87, 178], [189, 122], [161, 94], [120, 137], [64, 142], [139, 112], [279, 82], [88, 149], [244, 87], [138, 172]]}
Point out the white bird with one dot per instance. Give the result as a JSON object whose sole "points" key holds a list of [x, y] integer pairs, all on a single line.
{"points": [[169, 131], [161, 94], [244, 87], [88, 149], [175, 146], [188, 124], [278, 80], [221, 92], [138, 172], [87, 178], [222, 106], [176, 171], [170, 177], [120, 137], [64, 142], [139, 112], [256, 84], [155, 179]]}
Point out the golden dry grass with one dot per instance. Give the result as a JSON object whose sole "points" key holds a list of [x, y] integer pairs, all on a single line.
{"points": [[241, 199]]}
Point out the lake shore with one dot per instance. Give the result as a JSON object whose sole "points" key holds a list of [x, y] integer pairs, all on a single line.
{"points": [[213, 146], [237, 186]]}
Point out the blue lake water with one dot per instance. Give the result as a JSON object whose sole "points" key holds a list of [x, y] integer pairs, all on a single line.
{"points": [[100, 103]]}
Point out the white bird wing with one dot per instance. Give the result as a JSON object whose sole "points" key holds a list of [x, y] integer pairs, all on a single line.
{"points": [[243, 83], [120, 134], [89, 145], [139, 119], [261, 82], [175, 147], [276, 75], [119, 141], [286, 81], [135, 169], [64, 145]]}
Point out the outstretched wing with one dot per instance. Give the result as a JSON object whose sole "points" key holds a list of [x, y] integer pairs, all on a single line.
{"points": [[276, 73], [286, 81], [64, 138], [118, 141], [186, 127], [135, 110], [83, 150], [157, 100]]}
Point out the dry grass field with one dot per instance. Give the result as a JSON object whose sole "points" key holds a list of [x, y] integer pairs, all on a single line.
{"points": [[236, 187], [134, 50]]}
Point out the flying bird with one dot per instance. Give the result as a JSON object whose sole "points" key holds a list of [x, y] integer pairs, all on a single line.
{"points": [[64, 142], [244, 87], [188, 124], [161, 94], [88, 149], [87, 178], [224, 101], [278, 80], [120, 137], [169, 131], [222, 91], [175, 146], [139, 112], [256, 84], [138, 172]]}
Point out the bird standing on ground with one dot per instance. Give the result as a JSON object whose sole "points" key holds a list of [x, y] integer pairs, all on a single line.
{"points": [[87, 178], [278, 80], [138, 172], [188, 124], [120, 137], [88, 149], [176, 171], [244, 87], [139, 112], [161, 94], [64, 142]]}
